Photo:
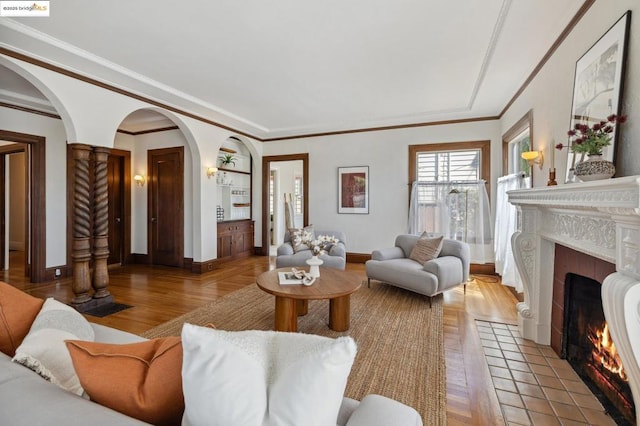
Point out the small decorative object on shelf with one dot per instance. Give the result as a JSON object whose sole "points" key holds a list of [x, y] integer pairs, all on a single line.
{"points": [[227, 159], [590, 140], [552, 177]]}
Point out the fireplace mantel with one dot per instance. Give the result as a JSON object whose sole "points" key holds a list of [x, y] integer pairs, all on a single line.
{"points": [[600, 218]]}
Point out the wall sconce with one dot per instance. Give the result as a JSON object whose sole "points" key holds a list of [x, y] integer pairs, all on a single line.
{"points": [[211, 171], [140, 180], [533, 157]]}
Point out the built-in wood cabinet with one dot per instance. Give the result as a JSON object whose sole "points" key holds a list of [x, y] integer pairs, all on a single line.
{"points": [[235, 239]]}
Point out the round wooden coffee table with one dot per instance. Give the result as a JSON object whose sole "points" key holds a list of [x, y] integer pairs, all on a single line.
{"points": [[292, 299]]}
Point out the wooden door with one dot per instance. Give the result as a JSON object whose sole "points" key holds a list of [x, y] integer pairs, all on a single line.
{"points": [[115, 183], [166, 206]]}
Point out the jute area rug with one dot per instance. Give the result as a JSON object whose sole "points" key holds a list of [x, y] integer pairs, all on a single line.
{"points": [[400, 340]]}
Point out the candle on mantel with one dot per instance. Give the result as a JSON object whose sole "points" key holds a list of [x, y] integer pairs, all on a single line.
{"points": [[553, 154]]}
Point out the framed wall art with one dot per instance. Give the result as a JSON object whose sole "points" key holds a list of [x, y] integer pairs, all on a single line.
{"points": [[353, 190], [598, 84]]}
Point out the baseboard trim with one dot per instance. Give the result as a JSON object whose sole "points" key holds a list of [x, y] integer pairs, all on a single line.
{"points": [[65, 272], [483, 268], [140, 259], [203, 267], [358, 257]]}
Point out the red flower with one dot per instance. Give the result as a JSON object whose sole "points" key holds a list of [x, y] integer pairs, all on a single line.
{"points": [[559, 146], [622, 119], [571, 133]]}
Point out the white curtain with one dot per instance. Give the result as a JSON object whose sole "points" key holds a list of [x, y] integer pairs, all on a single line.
{"points": [[506, 218], [457, 210]]}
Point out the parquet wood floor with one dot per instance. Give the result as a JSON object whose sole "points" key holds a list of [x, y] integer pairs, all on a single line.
{"points": [[159, 294]]}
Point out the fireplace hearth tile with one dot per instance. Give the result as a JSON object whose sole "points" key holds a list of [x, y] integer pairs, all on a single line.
{"points": [[516, 415], [531, 350], [576, 386], [498, 362], [566, 373], [518, 366], [503, 373], [505, 339], [531, 390], [595, 417], [524, 342], [490, 344], [558, 395], [538, 405], [510, 398], [567, 411], [535, 359], [551, 394], [504, 384], [542, 369], [550, 382], [493, 352], [587, 401], [515, 356], [540, 419], [521, 376]]}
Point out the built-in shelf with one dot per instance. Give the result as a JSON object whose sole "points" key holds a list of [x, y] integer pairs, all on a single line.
{"points": [[229, 150], [223, 169]]}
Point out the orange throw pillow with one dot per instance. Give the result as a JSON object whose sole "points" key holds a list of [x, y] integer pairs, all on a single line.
{"points": [[142, 380], [17, 312]]}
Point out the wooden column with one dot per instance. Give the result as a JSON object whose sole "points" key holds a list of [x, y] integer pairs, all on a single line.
{"points": [[100, 223], [81, 251]]}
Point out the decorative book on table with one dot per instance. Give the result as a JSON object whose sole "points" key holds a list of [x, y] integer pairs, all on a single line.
{"points": [[286, 278]]}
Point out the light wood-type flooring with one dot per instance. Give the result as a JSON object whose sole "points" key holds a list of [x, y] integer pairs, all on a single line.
{"points": [[159, 294]]}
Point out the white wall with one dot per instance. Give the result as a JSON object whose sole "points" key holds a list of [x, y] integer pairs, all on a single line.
{"points": [[550, 93], [387, 155]]}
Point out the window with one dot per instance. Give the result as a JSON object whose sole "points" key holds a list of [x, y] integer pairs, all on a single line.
{"points": [[516, 141], [297, 194], [271, 185], [446, 162], [448, 166], [515, 147]]}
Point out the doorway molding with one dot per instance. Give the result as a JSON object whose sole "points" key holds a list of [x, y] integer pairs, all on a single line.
{"points": [[37, 240], [266, 168]]}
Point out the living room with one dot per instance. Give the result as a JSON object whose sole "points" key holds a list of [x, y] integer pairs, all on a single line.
{"points": [[92, 114]]}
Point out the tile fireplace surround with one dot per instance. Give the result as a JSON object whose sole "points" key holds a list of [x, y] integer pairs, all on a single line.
{"points": [[599, 218]]}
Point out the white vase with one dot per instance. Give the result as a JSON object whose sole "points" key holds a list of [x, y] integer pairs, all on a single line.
{"points": [[595, 168], [314, 266]]}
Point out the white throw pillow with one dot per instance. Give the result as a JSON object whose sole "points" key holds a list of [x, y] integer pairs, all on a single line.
{"points": [[263, 378], [43, 349]]}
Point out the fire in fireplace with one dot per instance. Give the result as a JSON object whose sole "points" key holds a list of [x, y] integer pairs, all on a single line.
{"points": [[589, 349], [604, 352]]}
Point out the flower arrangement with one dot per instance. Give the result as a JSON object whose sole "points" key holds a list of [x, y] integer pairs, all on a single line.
{"points": [[317, 245], [591, 140]]}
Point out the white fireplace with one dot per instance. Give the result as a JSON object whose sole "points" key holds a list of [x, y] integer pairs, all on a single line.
{"points": [[602, 219]]}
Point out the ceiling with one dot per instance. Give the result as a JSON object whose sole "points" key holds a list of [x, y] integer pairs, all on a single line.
{"points": [[291, 67]]}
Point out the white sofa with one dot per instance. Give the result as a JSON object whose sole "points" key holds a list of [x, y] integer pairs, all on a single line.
{"points": [[27, 399]]}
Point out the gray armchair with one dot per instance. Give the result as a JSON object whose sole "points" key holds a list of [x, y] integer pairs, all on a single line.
{"points": [[393, 266], [336, 256]]}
